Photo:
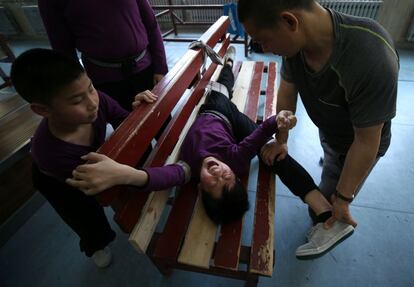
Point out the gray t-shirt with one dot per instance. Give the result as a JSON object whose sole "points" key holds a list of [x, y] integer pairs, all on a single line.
{"points": [[356, 88]]}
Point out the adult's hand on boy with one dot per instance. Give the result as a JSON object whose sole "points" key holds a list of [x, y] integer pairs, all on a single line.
{"points": [[146, 97], [272, 151], [340, 212], [99, 174]]}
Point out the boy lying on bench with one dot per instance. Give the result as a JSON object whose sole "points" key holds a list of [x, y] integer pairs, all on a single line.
{"points": [[216, 151]]}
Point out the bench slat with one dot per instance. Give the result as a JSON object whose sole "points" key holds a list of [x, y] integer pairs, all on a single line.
{"points": [[16, 129], [11, 103], [227, 251], [242, 85], [270, 103], [236, 69], [169, 242], [254, 92], [261, 257], [200, 238]]}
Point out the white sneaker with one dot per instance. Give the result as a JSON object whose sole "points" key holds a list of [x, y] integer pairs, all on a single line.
{"points": [[230, 54], [320, 240], [103, 257]]}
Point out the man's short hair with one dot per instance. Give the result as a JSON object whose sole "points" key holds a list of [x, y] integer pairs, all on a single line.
{"points": [[230, 207], [38, 75], [263, 13]]}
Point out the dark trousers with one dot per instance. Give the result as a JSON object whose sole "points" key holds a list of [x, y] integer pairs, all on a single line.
{"points": [[84, 215], [124, 93], [290, 172]]}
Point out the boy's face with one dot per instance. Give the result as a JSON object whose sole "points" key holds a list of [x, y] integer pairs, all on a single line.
{"points": [[76, 104], [215, 175], [282, 39]]}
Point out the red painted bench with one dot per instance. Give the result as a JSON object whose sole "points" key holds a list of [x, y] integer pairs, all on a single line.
{"points": [[189, 239]]}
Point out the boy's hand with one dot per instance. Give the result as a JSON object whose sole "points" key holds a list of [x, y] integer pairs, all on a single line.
{"points": [[273, 150], [285, 120], [146, 96], [99, 174]]}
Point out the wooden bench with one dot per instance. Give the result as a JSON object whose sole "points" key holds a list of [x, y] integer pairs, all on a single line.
{"points": [[17, 125], [189, 240]]}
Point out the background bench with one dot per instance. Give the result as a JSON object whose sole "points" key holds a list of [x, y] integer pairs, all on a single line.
{"points": [[17, 125], [189, 240]]}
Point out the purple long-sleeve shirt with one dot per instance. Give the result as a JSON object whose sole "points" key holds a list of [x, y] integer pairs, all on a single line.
{"points": [[105, 29], [58, 158], [210, 136]]}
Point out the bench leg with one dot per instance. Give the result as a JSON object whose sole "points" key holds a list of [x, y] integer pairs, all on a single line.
{"points": [[252, 281], [163, 268]]}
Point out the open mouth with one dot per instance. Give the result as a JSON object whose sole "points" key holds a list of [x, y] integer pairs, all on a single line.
{"points": [[211, 163]]}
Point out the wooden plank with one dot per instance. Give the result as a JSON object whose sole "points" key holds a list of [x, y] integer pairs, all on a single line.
{"points": [[254, 92], [169, 242], [261, 257], [16, 129], [242, 85], [236, 69], [199, 240], [10, 103], [227, 251], [270, 103]]}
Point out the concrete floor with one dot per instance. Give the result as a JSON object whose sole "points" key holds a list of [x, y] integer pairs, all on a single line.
{"points": [[44, 252]]}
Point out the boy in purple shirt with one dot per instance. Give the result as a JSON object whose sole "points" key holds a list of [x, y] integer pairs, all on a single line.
{"points": [[120, 42], [74, 122], [216, 151]]}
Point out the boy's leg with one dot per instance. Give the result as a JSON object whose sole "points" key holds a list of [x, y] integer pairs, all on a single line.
{"points": [[242, 125], [124, 91], [300, 183], [226, 78], [82, 213], [320, 240]]}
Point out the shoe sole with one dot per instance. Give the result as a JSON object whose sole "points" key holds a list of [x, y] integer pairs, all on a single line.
{"points": [[308, 255]]}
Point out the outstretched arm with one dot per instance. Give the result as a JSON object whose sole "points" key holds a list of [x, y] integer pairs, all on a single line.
{"points": [[103, 173]]}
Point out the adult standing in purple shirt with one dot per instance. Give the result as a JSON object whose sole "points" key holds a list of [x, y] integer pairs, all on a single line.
{"points": [[120, 42]]}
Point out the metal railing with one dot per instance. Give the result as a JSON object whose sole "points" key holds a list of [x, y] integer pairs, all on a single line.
{"points": [[177, 16], [359, 8]]}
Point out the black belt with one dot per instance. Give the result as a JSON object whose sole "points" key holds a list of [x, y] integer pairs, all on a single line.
{"points": [[126, 64]]}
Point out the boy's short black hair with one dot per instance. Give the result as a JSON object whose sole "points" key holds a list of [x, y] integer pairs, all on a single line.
{"points": [[38, 75], [230, 207], [263, 13]]}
